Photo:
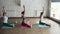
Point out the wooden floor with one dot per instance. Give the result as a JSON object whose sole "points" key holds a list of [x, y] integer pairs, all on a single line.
{"points": [[54, 29]]}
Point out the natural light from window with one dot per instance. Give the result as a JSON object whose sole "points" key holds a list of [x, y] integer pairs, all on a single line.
{"points": [[55, 10]]}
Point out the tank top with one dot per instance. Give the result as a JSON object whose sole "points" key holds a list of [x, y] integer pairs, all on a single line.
{"points": [[5, 19]]}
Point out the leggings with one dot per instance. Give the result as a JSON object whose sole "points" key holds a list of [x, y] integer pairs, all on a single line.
{"points": [[6, 24], [24, 24], [43, 23]]}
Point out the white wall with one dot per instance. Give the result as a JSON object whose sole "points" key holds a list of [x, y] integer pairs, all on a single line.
{"points": [[47, 13], [31, 7], [11, 7], [55, 0], [0, 7]]}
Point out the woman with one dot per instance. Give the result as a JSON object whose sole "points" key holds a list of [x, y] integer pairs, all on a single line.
{"points": [[5, 18], [23, 20]]}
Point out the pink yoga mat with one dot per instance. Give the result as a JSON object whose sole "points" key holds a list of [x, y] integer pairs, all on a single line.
{"points": [[28, 23], [23, 27]]}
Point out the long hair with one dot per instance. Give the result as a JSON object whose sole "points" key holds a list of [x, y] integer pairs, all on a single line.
{"points": [[4, 13]]}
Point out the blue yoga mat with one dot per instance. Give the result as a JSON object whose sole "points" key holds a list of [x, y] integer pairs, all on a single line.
{"points": [[6, 27], [41, 25]]}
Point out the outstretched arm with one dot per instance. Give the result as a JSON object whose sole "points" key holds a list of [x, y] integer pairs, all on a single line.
{"points": [[41, 14], [24, 9], [4, 11], [23, 14]]}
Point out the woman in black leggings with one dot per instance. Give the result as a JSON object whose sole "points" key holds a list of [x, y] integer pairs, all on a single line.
{"points": [[41, 17], [23, 20]]}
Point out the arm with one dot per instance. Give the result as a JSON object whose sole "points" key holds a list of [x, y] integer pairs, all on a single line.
{"points": [[24, 9], [23, 14], [41, 14]]}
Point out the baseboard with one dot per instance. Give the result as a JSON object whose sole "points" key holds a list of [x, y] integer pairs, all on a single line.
{"points": [[53, 19]]}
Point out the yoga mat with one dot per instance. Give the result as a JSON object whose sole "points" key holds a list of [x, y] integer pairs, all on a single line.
{"points": [[11, 23], [23, 27], [6, 27], [41, 25]]}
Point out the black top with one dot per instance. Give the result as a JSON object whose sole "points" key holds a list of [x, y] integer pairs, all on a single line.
{"points": [[22, 12]]}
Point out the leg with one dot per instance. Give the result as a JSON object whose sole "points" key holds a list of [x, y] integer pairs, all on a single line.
{"points": [[40, 17], [47, 24], [28, 26], [42, 23], [6, 24], [24, 24]]}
